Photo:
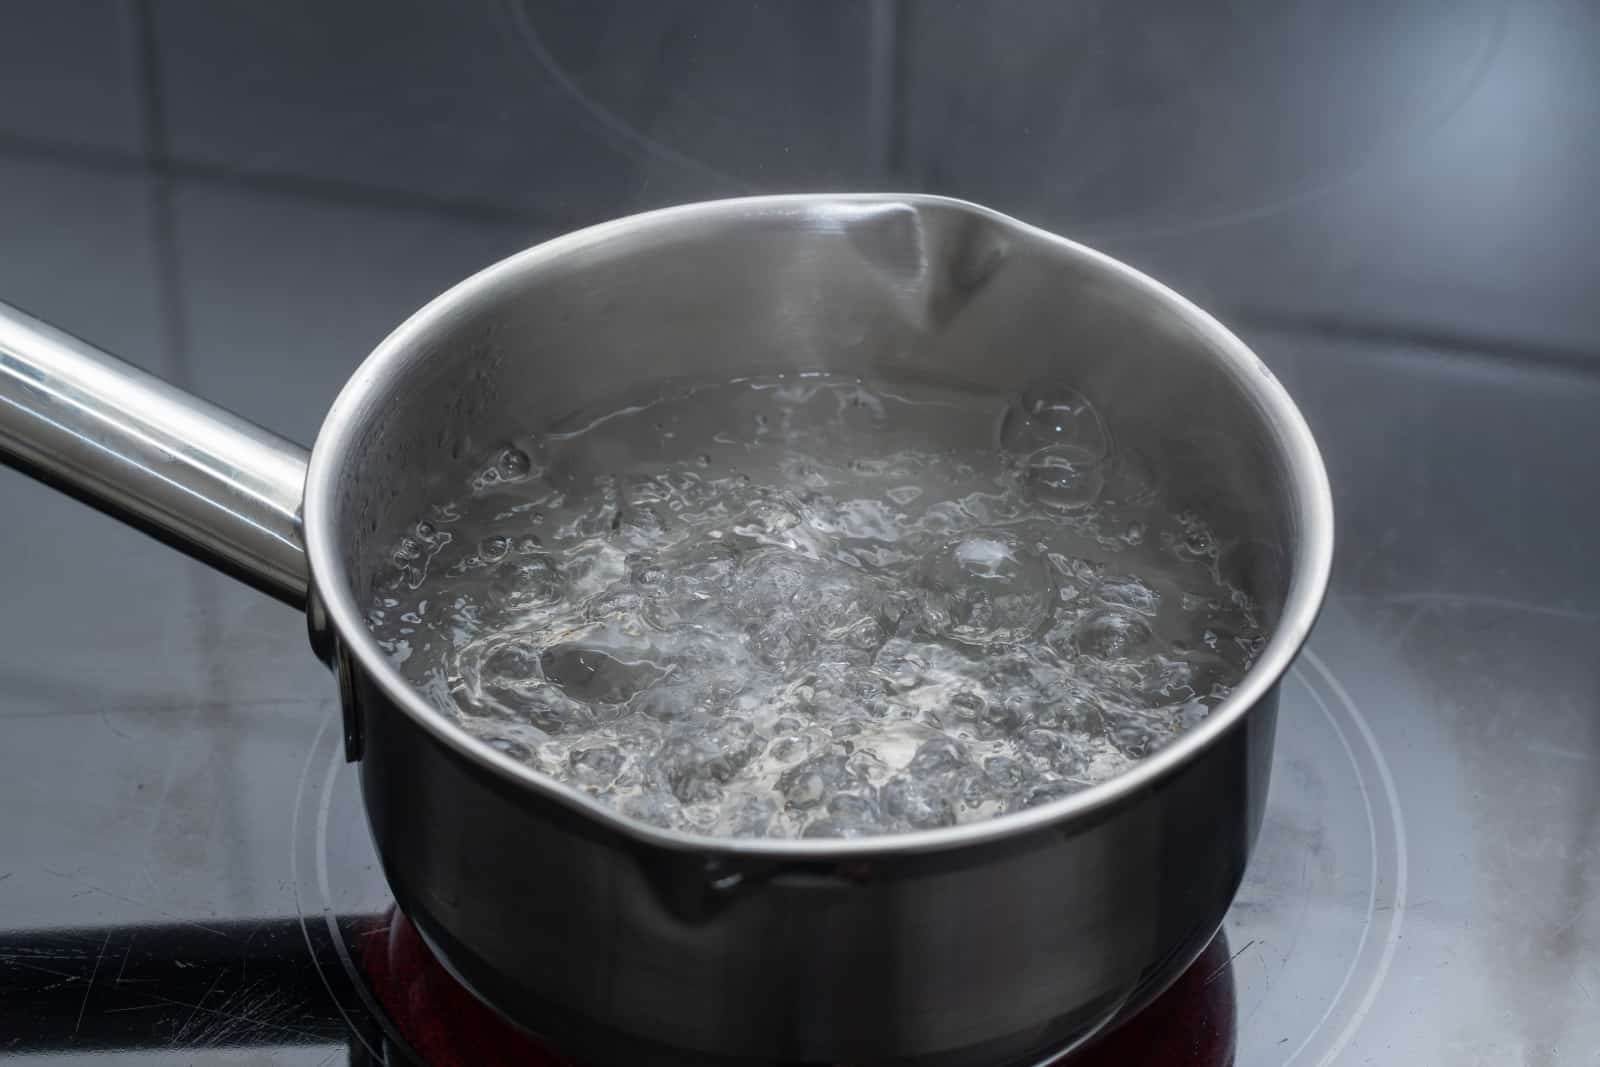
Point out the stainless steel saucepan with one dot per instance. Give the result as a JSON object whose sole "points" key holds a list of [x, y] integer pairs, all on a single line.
{"points": [[982, 943]]}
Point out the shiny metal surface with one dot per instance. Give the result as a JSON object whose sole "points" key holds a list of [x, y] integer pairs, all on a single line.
{"points": [[885, 284], [1379, 198], [198, 477], [974, 955], [960, 945], [965, 944]]}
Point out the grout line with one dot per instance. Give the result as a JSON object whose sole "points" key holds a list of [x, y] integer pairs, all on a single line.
{"points": [[878, 101], [164, 237], [1568, 358], [175, 343], [115, 161], [900, 95]]}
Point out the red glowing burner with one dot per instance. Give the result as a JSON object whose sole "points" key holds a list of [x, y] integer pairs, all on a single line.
{"points": [[1190, 1025]]}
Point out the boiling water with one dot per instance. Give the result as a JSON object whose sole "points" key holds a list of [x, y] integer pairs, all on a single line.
{"points": [[808, 606]]}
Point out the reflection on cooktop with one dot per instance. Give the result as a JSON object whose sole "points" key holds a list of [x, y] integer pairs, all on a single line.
{"points": [[432, 1020]]}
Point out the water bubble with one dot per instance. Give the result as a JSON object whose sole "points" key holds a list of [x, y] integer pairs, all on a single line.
{"points": [[986, 587], [513, 463], [903, 673], [967, 705], [641, 524], [903, 494], [859, 808], [597, 765], [594, 676], [941, 757], [646, 571], [1191, 539], [847, 814], [788, 748], [810, 783], [750, 816], [769, 520], [1129, 479], [1129, 591], [1004, 772], [845, 729], [1047, 793], [1001, 718], [654, 807], [697, 766], [1165, 679], [501, 678], [918, 803], [794, 604], [1063, 477], [1054, 415], [526, 583], [1134, 734], [1113, 634], [514, 661], [510, 748], [665, 704], [878, 623], [780, 640]]}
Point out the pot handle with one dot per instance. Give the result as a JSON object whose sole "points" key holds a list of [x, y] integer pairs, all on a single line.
{"points": [[185, 471]]}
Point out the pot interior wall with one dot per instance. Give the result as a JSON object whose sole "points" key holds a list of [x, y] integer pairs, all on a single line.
{"points": [[880, 288]]}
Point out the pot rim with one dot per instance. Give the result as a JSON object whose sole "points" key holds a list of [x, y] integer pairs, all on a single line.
{"points": [[1310, 566]]}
